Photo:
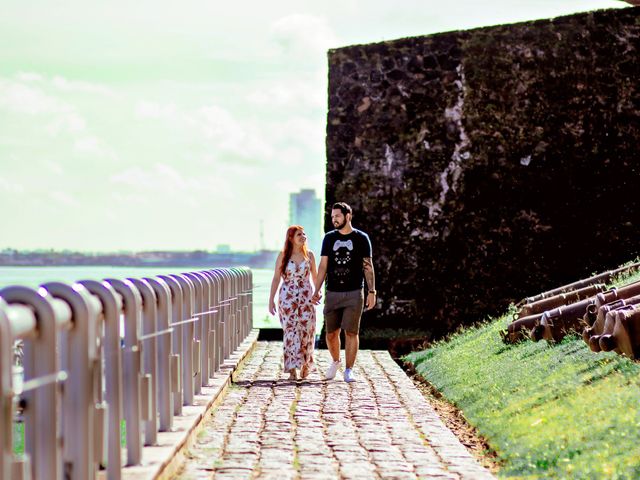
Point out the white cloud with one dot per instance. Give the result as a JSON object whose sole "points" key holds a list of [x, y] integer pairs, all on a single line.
{"points": [[29, 77], [149, 109], [53, 167], [303, 35], [22, 97], [130, 199], [66, 122], [89, 144], [221, 133], [19, 98], [307, 93], [8, 186], [160, 177], [64, 198], [68, 85], [245, 140]]}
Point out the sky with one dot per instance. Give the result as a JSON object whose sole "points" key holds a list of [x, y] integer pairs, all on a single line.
{"points": [[156, 125]]}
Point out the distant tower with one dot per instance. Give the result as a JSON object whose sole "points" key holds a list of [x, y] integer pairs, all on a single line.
{"points": [[305, 210]]}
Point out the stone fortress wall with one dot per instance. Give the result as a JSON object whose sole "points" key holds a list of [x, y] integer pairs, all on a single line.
{"points": [[488, 164]]}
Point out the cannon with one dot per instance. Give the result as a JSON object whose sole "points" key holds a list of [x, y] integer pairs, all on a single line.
{"points": [[595, 327], [626, 291], [522, 327], [607, 328], [519, 329], [604, 277], [625, 337], [560, 299], [556, 323]]}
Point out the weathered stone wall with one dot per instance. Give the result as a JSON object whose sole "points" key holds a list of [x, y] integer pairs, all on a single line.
{"points": [[488, 164]]}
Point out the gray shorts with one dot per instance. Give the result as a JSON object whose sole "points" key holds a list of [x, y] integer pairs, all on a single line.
{"points": [[343, 310]]}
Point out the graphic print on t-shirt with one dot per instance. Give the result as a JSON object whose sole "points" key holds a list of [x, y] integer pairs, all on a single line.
{"points": [[344, 254], [342, 257]]}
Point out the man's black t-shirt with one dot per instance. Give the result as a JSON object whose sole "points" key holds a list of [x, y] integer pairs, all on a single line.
{"points": [[345, 254]]}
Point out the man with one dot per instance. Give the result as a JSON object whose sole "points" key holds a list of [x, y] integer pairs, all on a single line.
{"points": [[346, 262]]}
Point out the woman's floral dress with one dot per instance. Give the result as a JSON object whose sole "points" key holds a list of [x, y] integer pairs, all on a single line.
{"points": [[297, 315]]}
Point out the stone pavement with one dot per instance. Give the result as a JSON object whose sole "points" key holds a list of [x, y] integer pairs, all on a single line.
{"points": [[378, 427]]}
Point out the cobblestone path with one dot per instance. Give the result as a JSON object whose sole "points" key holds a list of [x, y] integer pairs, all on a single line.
{"points": [[378, 427]]}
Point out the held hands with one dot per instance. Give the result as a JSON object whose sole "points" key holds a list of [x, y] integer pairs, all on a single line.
{"points": [[316, 297], [272, 307]]}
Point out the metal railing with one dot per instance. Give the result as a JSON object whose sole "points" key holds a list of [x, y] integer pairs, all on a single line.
{"points": [[83, 376]]}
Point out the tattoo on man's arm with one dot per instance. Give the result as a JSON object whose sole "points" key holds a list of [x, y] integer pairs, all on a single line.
{"points": [[367, 266]]}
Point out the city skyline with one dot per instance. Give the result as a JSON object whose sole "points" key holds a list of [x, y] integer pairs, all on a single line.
{"points": [[162, 126]]}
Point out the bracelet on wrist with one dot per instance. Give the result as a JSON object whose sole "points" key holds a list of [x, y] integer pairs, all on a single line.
{"points": [[372, 291]]}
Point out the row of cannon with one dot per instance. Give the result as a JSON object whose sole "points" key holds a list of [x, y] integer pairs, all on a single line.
{"points": [[607, 319]]}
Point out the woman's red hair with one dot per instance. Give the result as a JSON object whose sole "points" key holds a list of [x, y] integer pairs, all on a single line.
{"points": [[288, 247]]}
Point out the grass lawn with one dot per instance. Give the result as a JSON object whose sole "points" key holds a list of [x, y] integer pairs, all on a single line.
{"points": [[549, 411]]}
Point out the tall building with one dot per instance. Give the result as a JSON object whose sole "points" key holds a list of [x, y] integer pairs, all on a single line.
{"points": [[305, 210]]}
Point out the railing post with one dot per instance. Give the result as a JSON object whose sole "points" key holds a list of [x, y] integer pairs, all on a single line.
{"points": [[236, 302], [251, 286], [219, 317], [164, 319], [78, 402], [234, 310], [213, 322], [176, 338], [226, 317], [242, 305], [188, 297], [40, 359], [149, 354], [245, 302], [246, 295], [132, 304], [197, 328], [111, 308], [6, 394], [205, 326]]}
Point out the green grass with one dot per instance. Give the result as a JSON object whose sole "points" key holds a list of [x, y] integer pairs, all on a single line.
{"points": [[556, 411], [18, 437]]}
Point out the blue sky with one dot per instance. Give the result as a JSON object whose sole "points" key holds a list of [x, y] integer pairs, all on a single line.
{"points": [[181, 125]]}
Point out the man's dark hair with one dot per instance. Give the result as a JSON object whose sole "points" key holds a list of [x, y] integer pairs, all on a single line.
{"points": [[343, 207]]}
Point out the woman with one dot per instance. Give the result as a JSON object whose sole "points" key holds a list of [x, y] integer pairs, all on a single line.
{"points": [[296, 267]]}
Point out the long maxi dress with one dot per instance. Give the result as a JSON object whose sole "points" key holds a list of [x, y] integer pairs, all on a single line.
{"points": [[297, 315]]}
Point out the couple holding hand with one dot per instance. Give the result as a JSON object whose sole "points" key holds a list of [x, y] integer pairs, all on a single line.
{"points": [[345, 262]]}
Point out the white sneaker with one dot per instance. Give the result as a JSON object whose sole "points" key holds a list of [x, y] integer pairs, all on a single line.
{"points": [[331, 371], [349, 376]]}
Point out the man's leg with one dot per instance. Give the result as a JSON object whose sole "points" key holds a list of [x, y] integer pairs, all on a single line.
{"points": [[351, 325], [352, 343], [333, 344]]}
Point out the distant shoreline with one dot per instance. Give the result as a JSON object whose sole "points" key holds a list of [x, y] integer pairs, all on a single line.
{"points": [[196, 259]]}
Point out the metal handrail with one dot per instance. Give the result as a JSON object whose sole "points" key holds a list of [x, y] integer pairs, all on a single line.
{"points": [[148, 375]]}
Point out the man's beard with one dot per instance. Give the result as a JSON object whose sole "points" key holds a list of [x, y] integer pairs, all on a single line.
{"points": [[340, 225]]}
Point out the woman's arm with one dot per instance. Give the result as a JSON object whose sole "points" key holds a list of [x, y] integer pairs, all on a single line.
{"points": [[274, 285], [322, 271], [314, 271]]}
